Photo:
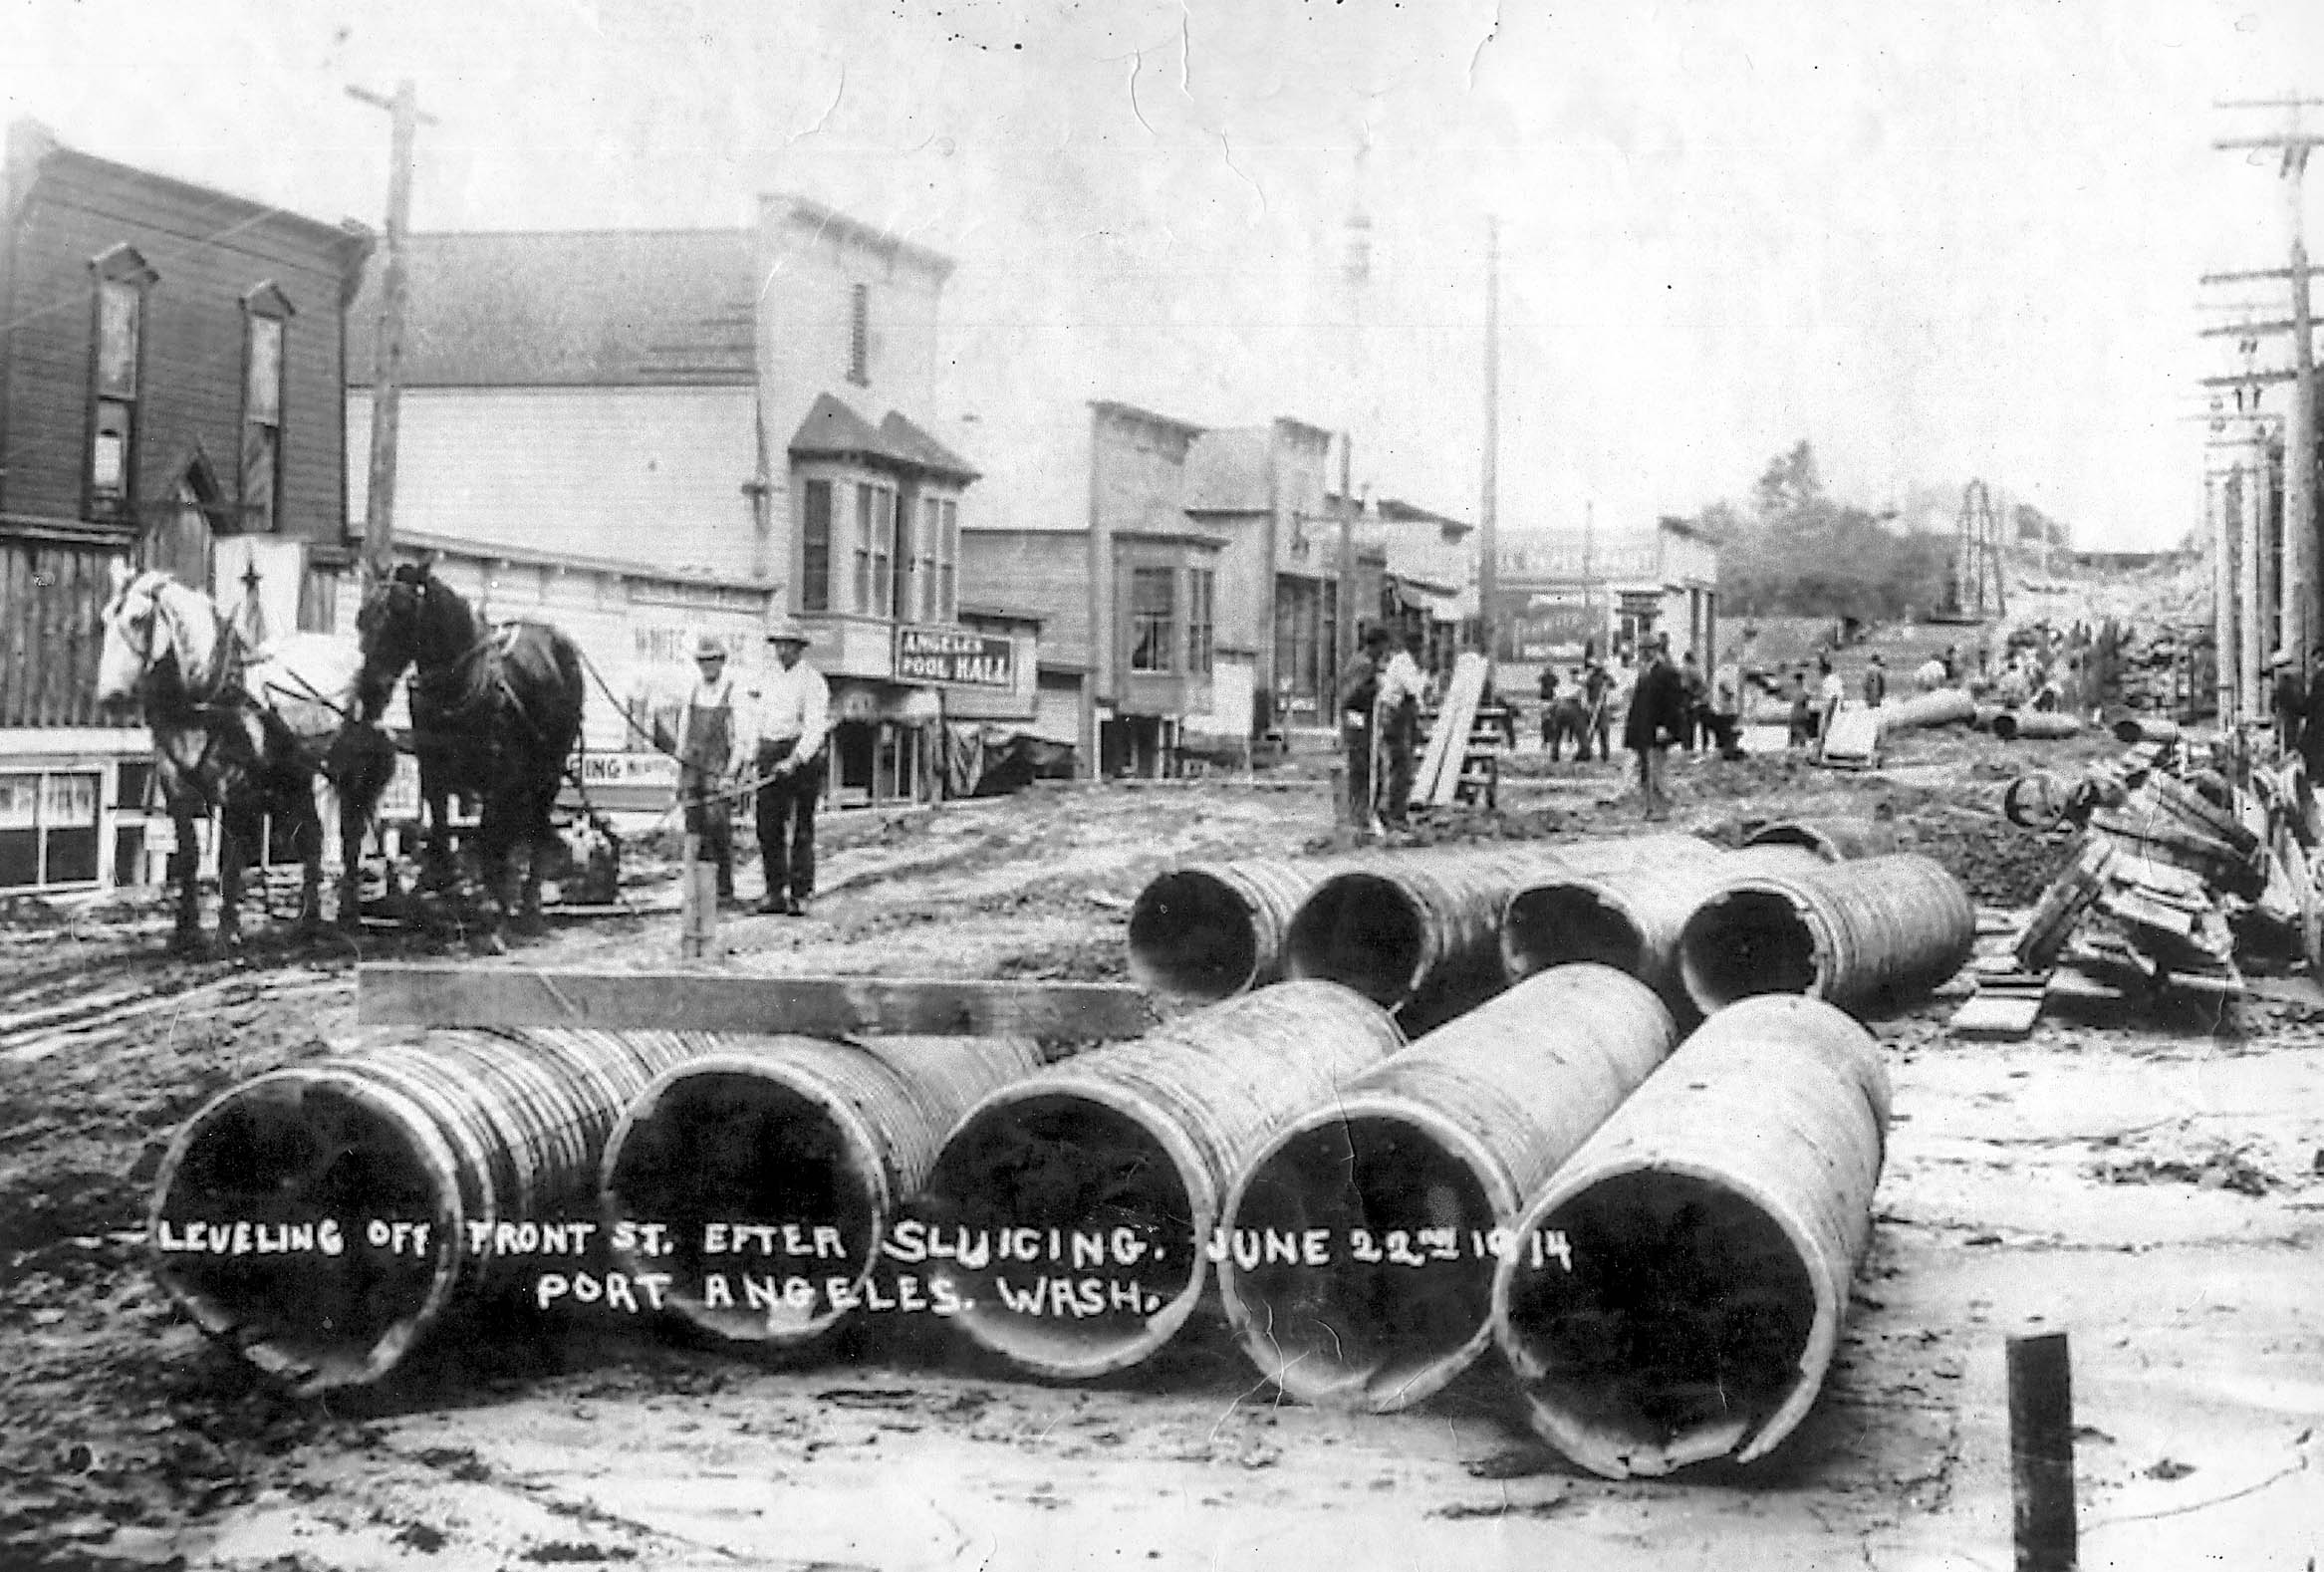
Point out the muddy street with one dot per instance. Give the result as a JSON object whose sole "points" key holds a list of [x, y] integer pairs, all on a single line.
{"points": [[2154, 1189]]}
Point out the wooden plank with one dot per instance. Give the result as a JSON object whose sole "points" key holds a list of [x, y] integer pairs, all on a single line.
{"points": [[2005, 1017], [442, 993], [1855, 739], [1439, 777]]}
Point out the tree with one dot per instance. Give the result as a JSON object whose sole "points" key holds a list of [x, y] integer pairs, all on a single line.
{"points": [[1801, 552]]}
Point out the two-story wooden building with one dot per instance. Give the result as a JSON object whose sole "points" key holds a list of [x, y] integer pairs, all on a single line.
{"points": [[1099, 542], [170, 363]]}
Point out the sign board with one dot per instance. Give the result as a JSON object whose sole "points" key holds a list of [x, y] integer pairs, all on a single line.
{"points": [[956, 657], [627, 782]]}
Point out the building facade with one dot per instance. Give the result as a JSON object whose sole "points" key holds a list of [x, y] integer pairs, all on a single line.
{"points": [[170, 360], [1563, 590], [1129, 589]]}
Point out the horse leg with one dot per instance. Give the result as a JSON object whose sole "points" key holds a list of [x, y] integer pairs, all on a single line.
{"points": [[535, 843], [185, 866], [306, 834], [351, 863], [231, 844]]}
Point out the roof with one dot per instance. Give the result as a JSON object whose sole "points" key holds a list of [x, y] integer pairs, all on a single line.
{"points": [[1130, 411], [834, 430], [31, 142], [584, 307], [1227, 471], [831, 220], [993, 612]]}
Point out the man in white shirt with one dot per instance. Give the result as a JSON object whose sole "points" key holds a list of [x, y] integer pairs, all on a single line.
{"points": [[1397, 723], [794, 719], [709, 745]]}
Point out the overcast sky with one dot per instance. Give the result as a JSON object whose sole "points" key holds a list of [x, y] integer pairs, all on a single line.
{"points": [[1938, 240]]}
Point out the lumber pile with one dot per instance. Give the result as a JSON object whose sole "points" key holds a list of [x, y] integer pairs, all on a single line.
{"points": [[2179, 878]]}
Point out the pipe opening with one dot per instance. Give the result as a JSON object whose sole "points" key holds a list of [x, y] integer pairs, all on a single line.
{"points": [[281, 1179], [1556, 924], [737, 1150], [1354, 1333], [1192, 935], [1066, 1229], [1679, 1330], [2005, 726], [1362, 930], [1746, 942]]}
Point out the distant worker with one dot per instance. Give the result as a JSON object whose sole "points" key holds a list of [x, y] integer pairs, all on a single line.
{"points": [[1597, 693], [1549, 721], [1696, 687], [1951, 665], [1658, 715], [1724, 715], [2312, 720], [794, 723], [1802, 710], [1396, 716], [1573, 714], [1359, 689], [1831, 693], [1876, 681], [2290, 702], [710, 746]]}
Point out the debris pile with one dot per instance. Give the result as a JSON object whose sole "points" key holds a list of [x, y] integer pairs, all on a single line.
{"points": [[2173, 880]]}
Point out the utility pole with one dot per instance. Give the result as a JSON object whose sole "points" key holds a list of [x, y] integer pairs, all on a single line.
{"points": [[388, 351], [1355, 276], [2303, 618], [1488, 528]]}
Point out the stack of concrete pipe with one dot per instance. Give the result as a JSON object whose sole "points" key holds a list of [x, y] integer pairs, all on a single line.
{"points": [[2035, 725], [1630, 919], [1945, 706], [804, 1151], [1205, 931], [1420, 932], [1357, 1268], [1859, 935], [1103, 1177], [1708, 1235], [459, 1145]]}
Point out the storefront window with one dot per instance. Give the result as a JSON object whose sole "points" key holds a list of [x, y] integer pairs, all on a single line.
{"points": [[48, 829]]}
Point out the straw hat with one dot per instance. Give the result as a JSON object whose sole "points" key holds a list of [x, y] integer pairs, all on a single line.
{"points": [[786, 630], [708, 648]]}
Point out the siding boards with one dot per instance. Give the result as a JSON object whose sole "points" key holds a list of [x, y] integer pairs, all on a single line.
{"points": [[191, 389], [50, 601]]}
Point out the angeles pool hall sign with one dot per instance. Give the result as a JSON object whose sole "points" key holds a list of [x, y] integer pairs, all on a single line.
{"points": [[955, 657]]}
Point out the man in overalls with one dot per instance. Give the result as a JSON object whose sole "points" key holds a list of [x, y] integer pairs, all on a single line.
{"points": [[709, 742]]}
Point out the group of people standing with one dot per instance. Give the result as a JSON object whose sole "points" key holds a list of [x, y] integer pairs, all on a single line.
{"points": [[1379, 718], [764, 739]]}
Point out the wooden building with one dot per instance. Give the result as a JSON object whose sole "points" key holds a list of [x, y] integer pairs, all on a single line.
{"points": [[170, 364]]}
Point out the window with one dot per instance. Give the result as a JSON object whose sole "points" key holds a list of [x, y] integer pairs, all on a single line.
{"points": [[860, 335], [863, 599], [882, 551], [48, 829], [1150, 606], [906, 595], [814, 549], [265, 317], [931, 551], [1201, 585], [117, 354], [947, 604]]}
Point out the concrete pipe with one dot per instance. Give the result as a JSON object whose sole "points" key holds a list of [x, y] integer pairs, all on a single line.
{"points": [[1629, 919], [1417, 924], [1832, 840], [2136, 729], [1699, 1249], [1206, 932], [1068, 1214], [1862, 935], [1945, 706], [2035, 725], [777, 1166], [1360, 1243], [444, 1142]]}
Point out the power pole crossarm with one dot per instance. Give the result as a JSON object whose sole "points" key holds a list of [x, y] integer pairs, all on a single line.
{"points": [[388, 351], [2244, 277]]}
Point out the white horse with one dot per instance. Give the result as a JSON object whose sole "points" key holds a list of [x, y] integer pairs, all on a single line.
{"points": [[243, 732]]}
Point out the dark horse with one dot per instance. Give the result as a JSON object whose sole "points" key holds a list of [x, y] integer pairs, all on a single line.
{"points": [[495, 712], [243, 732]]}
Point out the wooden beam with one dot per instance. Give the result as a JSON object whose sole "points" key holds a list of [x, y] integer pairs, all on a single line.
{"points": [[444, 993]]}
